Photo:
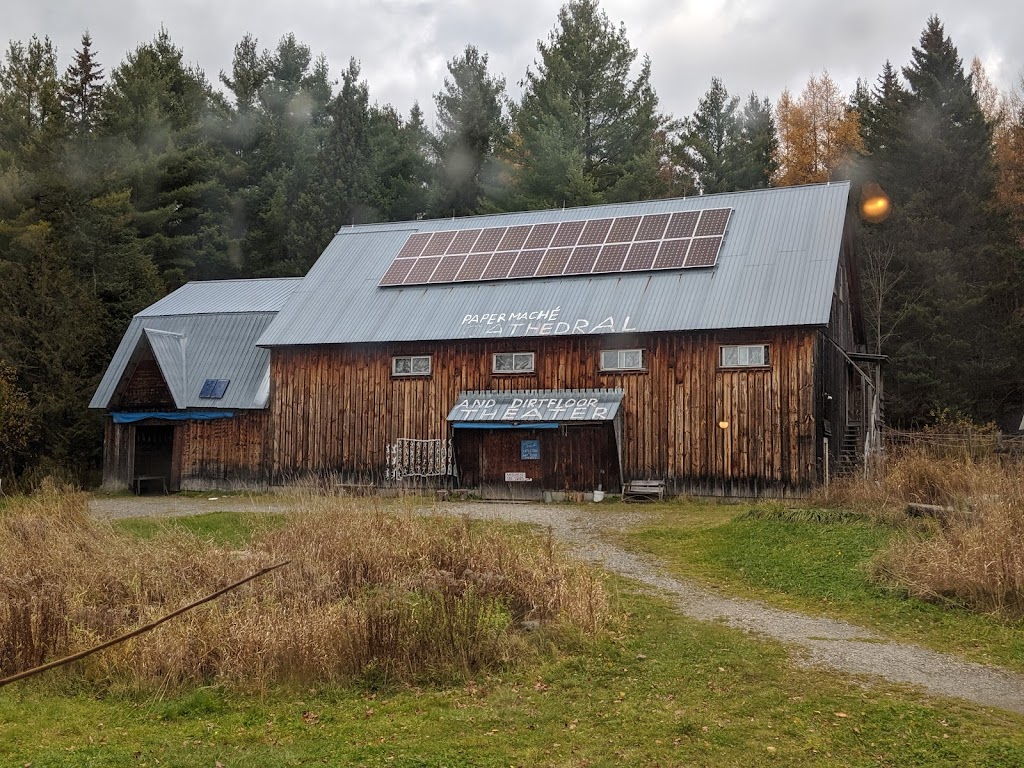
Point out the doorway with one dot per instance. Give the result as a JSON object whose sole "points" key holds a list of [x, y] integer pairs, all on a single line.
{"points": [[154, 460]]}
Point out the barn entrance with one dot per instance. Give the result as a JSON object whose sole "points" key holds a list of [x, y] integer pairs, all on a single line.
{"points": [[522, 444], [154, 459]]}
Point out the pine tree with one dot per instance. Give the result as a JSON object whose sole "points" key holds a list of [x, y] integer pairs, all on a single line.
{"points": [[471, 124], [709, 139], [948, 310], [32, 122], [81, 89], [580, 101], [756, 147]]}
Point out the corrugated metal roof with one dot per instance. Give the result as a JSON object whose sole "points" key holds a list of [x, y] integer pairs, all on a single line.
{"points": [[169, 351], [777, 267], [204, 331], [213, 296], [543, 405]]}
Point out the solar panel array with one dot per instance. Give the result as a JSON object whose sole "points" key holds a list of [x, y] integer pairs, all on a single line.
{"points": [[599, 246]]}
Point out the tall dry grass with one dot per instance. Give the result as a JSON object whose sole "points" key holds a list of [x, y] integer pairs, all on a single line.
{"points": [[371, 593], [971, 552]]}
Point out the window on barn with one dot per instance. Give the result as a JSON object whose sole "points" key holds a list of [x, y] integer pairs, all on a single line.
{"points": [[744, 356], [410, 365], [622, 360], [513, 362]]}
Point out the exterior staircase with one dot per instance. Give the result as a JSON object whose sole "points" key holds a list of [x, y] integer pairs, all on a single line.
{"points": [[851, 451]]}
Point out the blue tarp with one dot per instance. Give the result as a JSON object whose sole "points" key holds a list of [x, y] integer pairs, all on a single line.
{"points": [[505, 425], [130, 417]]}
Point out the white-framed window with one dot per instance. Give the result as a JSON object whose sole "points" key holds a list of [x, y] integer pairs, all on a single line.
{"points": [[744, 356], [622, 360], [513, 362], [410, 365]]}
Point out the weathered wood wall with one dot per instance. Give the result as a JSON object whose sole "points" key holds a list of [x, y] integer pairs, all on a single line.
{"points": [[225, 452], [335, 409], [118, 455], [146, 388], [571, 458]]}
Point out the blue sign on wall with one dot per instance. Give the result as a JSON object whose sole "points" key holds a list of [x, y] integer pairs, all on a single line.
{"points": [[529, 449]]}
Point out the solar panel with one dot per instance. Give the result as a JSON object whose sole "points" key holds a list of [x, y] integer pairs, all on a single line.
{"points": [[414, 245], [421, 272], [463, 241], [682, 224], [526, 264], [713, 222], [641, 256], [474, 267], [582, 260], [611, 258], [447, 269], [514, 239], [680, 240], [488, 241], [214, 389], [623, 230], [397, 272], [596, 231], [652, 227], [671, 254], [554, 262], [439, 243], [703, 252], [500, 264], [568, 233], [541, 236]]}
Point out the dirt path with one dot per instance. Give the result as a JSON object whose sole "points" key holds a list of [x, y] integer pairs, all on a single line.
{"points": [[819, 641]]}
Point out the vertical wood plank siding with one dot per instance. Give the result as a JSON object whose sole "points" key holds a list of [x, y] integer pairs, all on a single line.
{"points": [[336, 409], [118, 455], [225, 451]]}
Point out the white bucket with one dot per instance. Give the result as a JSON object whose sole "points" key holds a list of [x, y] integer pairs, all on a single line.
{"points": [[598, 496]]}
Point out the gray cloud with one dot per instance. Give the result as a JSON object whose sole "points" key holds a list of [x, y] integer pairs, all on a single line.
{"points": [[753, 45]]}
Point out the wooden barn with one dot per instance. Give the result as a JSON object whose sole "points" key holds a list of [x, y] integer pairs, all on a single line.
{"points": [[188, 388], [712, 343]]}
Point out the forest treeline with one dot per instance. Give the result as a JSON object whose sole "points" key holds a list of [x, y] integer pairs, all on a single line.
{"points": [[121, 181]]}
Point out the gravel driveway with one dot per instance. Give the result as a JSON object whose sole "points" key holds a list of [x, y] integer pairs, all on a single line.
{"points": [[816, 641]]}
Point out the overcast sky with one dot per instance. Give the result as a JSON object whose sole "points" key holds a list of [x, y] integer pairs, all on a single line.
{"points": [[753, 45]]}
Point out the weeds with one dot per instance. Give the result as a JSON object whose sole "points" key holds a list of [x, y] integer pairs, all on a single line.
{"points": [[378, 595], [971, 554]]}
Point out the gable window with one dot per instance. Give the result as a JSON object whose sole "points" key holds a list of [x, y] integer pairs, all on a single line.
{"points": [[744, 356], [410, 365], [622, 360], [513, 362]]}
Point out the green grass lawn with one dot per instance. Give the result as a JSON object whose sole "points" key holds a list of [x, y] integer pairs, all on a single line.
{"points": [[817, 567], [225, 528], [658, 690]]}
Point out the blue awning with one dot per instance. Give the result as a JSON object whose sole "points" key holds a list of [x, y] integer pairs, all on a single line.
{"points": [[129, 417], [505, 425]]}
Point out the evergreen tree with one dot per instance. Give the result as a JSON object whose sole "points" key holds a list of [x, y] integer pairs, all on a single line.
{"points": [[81, 89], [710, 137], [950, 275], [471, 125], [32, 122], [580, 103], [756, 148]]}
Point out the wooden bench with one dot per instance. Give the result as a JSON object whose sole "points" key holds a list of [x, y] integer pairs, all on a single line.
{"points": [[644, 490], [140, 479]]}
